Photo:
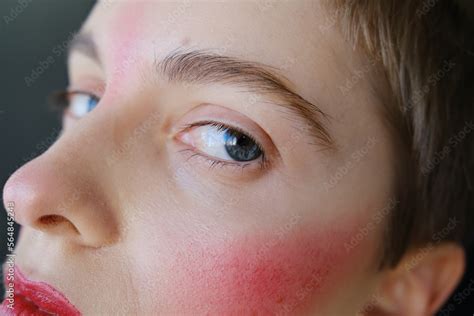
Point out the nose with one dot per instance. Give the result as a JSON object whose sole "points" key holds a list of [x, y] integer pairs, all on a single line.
{"points": [[60, 194]]}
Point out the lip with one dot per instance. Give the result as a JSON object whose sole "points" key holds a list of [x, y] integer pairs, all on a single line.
{"points": [[35, 298]]}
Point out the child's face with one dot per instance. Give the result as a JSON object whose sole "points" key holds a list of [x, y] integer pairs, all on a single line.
{"points": [[153, 217]]}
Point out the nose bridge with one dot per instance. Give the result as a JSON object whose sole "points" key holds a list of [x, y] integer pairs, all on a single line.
{"points": [[64, 191]]}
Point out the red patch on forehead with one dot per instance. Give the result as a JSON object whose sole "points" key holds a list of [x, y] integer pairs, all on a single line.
{"points": [[124, 38]]}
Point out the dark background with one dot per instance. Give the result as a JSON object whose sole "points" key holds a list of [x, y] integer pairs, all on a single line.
{"points": [[34, 36]]}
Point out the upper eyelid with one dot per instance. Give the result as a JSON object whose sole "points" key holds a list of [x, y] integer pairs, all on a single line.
{"points": [[228, 116], [198, 124], [228, 126]]}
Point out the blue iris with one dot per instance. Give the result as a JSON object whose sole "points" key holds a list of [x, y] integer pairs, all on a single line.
{"points": [[93, 101]]}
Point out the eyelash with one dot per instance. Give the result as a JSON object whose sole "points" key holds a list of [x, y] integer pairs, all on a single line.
{"points": [[263, 162]]}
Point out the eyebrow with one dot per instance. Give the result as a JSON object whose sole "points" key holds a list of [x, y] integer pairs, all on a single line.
{"points": [[206, 67]]}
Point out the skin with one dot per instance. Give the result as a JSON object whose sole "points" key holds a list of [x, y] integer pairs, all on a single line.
{"points": [[155, 231]]}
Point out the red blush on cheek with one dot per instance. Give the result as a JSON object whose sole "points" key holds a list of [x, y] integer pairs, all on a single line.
{"points": [[261, 275]]}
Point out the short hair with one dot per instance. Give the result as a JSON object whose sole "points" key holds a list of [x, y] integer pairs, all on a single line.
{"points": [[424, 49]]}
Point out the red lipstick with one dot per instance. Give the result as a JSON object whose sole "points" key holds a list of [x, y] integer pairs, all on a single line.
{"points": [[34, 298]]}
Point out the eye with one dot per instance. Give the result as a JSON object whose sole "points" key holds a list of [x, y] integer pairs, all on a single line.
{"points": [[81, 103], [222, 142], [75, 103]]}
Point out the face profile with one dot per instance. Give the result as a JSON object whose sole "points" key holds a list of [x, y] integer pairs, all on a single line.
{"points": [[233, 158]]}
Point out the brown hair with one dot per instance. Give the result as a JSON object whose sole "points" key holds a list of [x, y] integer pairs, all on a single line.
{"points": [[426, 54]]}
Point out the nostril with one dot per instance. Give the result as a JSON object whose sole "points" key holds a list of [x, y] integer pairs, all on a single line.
{"points": [[51, 221]]}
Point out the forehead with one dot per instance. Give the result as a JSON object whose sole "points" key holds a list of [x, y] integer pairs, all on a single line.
{"points": [[215, 23], [293, 36]]}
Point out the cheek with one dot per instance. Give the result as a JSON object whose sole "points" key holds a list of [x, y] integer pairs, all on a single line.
{"points": [[266, 274]]}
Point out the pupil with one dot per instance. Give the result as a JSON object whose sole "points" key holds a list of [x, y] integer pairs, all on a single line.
{"points": [[240, 147]]}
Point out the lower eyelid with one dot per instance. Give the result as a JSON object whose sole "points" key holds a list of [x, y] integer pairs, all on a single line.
{"points": [[193, 153], [201, 160]]}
